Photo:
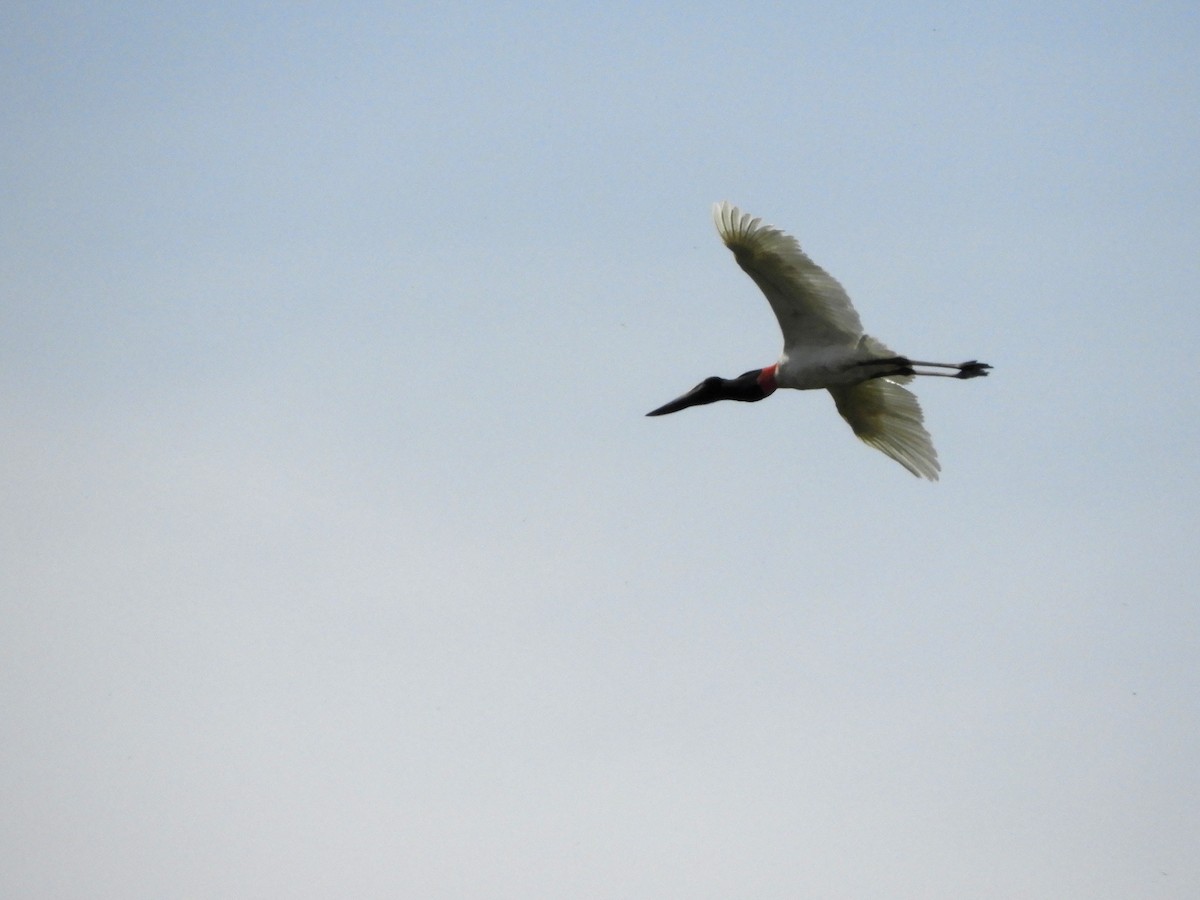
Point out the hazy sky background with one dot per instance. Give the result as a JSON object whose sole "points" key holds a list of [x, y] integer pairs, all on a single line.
{"points": [[339, 559]]}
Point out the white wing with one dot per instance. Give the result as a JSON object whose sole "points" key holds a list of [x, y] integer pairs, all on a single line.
{"points": [[888, 417], [812, 308]]}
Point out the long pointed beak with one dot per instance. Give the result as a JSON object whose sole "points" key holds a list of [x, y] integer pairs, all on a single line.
{"points": [[693, 397]]}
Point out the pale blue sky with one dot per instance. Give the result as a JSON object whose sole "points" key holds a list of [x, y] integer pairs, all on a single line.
{"points": [[340, 559]]}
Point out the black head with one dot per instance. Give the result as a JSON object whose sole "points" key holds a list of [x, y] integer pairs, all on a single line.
{"points": [[749, 387]]}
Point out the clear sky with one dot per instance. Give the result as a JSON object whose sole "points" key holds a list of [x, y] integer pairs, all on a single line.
{"points": [[339, 559]]}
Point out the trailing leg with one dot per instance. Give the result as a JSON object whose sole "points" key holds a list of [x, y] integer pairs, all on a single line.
{"points": [[970, 369]]}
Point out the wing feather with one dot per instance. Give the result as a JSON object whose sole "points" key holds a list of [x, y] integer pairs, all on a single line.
{"points": [[888, 417], [812, 308]]}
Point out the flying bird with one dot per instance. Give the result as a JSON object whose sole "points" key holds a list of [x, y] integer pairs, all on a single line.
{"points": [[824, 347]]}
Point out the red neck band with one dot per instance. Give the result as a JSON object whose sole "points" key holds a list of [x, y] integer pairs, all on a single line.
{"points": [[766, 380]]}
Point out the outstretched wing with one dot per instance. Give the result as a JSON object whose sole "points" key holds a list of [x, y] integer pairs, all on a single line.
{"points": [[812, 308], [888, 417]]}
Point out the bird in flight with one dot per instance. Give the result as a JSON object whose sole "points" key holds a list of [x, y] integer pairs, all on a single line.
{"points": [[824, 347]]}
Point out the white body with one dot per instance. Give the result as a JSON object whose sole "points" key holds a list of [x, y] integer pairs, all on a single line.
{"points": [[807, 368]]}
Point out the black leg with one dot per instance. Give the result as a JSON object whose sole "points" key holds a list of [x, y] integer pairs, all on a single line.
{"points": [[905, 366]]}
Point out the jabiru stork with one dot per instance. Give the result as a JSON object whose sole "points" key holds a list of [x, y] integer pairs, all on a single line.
{"points": [[824, 347]]}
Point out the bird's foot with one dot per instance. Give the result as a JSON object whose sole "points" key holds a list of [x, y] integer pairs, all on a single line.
{"points": [[972, 369]]}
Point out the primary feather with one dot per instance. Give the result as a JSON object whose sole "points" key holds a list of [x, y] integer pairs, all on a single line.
{"points": [[813, 310], [888, 417]]}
